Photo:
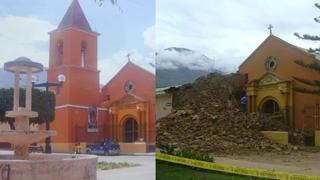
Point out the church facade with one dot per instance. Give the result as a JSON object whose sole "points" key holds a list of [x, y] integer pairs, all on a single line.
{"points": [[270, 73], [122, 110]]}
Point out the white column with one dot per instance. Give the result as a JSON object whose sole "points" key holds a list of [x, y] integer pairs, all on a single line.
{"points": [[29, 90], [16, 91]]}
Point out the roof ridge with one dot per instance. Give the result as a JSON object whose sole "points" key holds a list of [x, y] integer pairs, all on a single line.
{"points": [[123, 67], [304, 50], [283, 41], [75, 17]]}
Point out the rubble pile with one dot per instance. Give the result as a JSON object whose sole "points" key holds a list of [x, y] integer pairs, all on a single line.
{"points": [[275, 122], [202, 121]]}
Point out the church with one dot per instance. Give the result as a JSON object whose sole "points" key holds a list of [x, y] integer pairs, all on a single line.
{"points": [[123, 109], [270, 73]]}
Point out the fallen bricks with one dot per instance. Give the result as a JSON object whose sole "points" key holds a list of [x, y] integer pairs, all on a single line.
{"points": [[202, 121]]}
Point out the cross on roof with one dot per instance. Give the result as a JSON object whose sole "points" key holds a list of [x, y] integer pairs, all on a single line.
{"points": [[128, 56], [270, 28]]}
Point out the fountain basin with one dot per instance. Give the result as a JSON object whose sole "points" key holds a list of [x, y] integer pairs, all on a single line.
{"points": [[23, 113], [49, 167], [18, 137]]}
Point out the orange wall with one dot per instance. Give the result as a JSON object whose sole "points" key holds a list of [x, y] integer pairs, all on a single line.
{"points": [[144, 87], [82, 84], [71, 126], [144, 83], [61, 120], [72, 39], [285, 54], [81, 87]]}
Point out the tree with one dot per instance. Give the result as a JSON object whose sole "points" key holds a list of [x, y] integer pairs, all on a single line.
{"points": [[315, 65], [38, 104], [311, 37]]}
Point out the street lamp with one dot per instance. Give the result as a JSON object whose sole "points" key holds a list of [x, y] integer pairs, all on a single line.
{"points": [[61, 79]]}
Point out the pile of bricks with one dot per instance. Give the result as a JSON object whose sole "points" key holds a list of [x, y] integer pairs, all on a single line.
{"points": [[203, 121]]}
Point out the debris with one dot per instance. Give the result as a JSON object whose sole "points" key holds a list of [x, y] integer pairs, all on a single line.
{"points": [[202, 121]]}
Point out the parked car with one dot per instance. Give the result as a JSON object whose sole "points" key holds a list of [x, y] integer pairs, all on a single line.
{"points": [[105, 147]]}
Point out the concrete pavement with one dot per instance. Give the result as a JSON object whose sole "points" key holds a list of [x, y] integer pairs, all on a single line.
{"points": [[268, 166]]}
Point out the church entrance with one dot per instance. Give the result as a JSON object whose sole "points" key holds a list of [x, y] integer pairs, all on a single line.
{"points": [[270, 107], [274, 118], [130, 130]]}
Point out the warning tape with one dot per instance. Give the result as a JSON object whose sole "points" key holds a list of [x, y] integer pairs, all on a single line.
{"points": [[233, 169]]}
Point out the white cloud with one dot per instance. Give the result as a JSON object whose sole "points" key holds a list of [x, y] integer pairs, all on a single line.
{"points": [[111, 65], [28, 36], [173, 59], [229, 31], [149, 36], [24, 36]]}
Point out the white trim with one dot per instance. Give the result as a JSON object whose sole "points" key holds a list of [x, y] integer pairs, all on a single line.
{"points": [[103, 109], [79, 106]]}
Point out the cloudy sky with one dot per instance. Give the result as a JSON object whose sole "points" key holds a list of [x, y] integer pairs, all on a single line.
{"points": [[126, 28], [229, 30]]}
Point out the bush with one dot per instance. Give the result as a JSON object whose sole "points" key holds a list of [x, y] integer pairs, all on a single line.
{"points": [[38, 104], [187, 154], [112, 165]]}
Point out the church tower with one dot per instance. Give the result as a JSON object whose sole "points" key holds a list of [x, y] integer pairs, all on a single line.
{"points": [[73, 53]]}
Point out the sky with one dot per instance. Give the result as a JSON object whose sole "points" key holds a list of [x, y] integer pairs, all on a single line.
{"points": [[228, 31], [128, 27]]}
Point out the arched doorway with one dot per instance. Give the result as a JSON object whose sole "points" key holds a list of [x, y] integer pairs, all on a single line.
{"points": [[130, 130], [270, 106]]}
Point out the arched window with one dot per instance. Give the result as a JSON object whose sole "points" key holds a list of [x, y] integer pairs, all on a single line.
{"points": [[59, 52], [83, 53], [130, 130], [270, 106]]}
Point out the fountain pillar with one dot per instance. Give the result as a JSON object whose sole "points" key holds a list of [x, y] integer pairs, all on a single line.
{"points": [[16, 91], [29, 90]]}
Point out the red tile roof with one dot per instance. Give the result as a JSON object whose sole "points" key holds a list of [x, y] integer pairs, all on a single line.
{"points": [[75, 17]]}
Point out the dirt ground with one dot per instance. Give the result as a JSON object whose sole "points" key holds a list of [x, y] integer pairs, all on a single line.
{"points": [[302, 162]]}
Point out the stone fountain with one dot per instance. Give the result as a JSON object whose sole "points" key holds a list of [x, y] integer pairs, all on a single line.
{"points": [[23, 165], [22, 136]]}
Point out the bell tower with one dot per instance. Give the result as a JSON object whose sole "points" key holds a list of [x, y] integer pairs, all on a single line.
{"points": [[73, 53]]}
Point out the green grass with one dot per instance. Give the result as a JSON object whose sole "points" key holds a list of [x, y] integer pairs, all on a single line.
{"points": [[170, 171], [111, 165]]}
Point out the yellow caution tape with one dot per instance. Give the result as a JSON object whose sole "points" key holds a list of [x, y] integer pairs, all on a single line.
{"points": [[233, 169]]}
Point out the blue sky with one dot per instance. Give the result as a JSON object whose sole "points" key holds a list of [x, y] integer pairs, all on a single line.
{"points": [[126, 28]]}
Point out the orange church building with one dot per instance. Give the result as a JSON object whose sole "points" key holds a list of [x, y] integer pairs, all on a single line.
{"points": [[270, 72], [124, 109]]}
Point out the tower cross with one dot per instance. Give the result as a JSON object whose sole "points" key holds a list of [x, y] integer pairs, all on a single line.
{"points": [[270, 28], [128, 56]]}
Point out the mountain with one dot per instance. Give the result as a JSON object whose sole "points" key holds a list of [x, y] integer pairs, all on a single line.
{"points": [[177, 57], [6, 79], [174, 77], [178, 65]]}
